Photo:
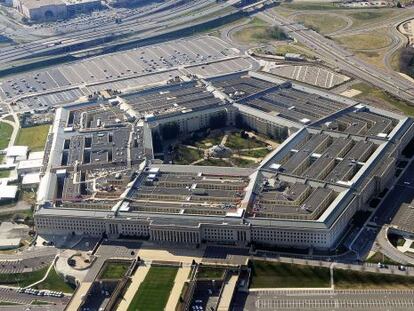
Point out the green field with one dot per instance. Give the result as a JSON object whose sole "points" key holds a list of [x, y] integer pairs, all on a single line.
{"points": [[55, 282], [322, 23], [114, 270], [153, 293], [366, 41], [279, 275], [6, 131], [22, 279], [371, 93], [33, 137]]}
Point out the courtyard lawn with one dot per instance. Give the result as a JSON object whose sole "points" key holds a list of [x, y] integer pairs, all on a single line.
{"points": [[55, 282], [33, 137], [184, 155], [153, 293], [240, 162], [210, 273], [209, 141], [6, 131], [277, 275], [236, 142], [114, 270], [255, 153]]}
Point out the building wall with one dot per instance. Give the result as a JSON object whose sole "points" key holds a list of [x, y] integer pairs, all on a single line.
{"points": [[242, 234], [265, 127]]}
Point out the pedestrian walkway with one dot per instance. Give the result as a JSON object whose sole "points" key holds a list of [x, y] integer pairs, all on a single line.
{"points": [[136, 281], [181, 277], [227, 294]]}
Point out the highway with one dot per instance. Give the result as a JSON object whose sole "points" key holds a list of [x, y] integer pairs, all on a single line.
{"points": [[157, 19], [344, 60]]}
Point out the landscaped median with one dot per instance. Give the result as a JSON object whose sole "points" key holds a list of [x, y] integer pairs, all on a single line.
{"points": [[53, 280], [153, 293]]}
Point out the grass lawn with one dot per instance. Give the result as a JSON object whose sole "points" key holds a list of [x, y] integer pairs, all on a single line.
{"points": [[184, 155], [322, 23], [34, 137], [6, 303], [259, 153], [258, 30], [4, 173], [309, 6], [209, 141], [22, 279], [239, 162], [210, 273], [5, 132], [366, 17], [235, 142], [213, 162], [153, 293], [9, 118], [114, 270], [372, 93], [268, 275], [55, 282], [366, 41], [294, 48], [366, 280], [379, 257]]}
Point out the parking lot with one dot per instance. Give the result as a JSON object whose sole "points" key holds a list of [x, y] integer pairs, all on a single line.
{"points": [[11, 295], [325, 300], [146, 65], [312, 75]]}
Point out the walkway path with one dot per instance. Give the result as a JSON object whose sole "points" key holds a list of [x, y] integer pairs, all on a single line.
{"points": [[15, 128], [136, 281], [181, 277]]}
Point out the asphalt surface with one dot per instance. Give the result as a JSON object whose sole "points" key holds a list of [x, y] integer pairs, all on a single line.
{"points": [[324, 300]]}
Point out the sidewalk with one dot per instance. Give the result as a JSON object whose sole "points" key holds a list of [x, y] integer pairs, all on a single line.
{"points": [[136, 281], [181, 277]]}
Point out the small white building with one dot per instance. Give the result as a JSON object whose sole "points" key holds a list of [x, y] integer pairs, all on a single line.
{"points": [[31, 180], [29, 166], [9, 243], [17, 153], [7, 193]]}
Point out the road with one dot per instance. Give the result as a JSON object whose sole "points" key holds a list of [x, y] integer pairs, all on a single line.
{"points": [[174, 15], [344, 60]]}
